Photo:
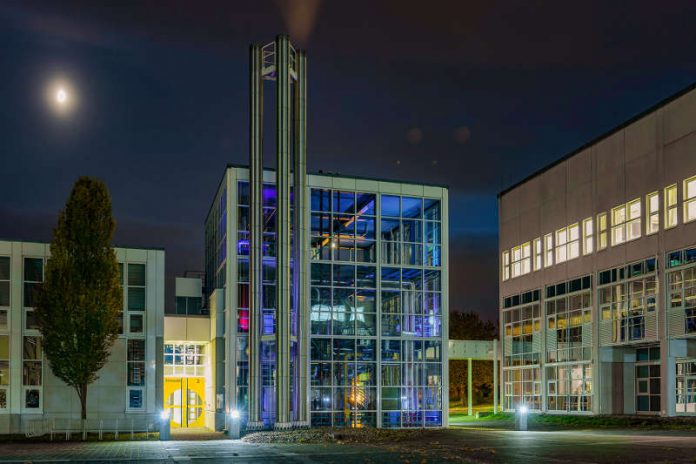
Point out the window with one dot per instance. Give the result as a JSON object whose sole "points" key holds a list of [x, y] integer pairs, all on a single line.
{"points": [[506, 265], [185, 360], [32, 368], [521, 373], [652, 220], [136, 374], [625, 222], [193, 304], [686, 386], [548, 246], [33, 277], [567, 243], [4, 295], [538, 253], [671, 219], [521, 259], [601, 231], [4, 371], [587, 236], [690, 199], [136, 287]]}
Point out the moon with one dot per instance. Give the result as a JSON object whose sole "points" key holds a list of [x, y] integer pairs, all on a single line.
{"points": [[61, 96]]}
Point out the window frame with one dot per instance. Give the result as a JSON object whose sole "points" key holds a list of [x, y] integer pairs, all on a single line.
{"points": [[651, 213], [623, 219], [548, 250], [671, 207], [537, 254], [587, 236], [506, 265], [688, 198], [602, 231]]}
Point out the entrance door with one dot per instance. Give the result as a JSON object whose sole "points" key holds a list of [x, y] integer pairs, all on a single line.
{"points": [[183, 398], [648, 388]]}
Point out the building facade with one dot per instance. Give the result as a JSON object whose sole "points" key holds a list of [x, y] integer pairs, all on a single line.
{"points": [[377, 310], [598, 273], [129, 385]]}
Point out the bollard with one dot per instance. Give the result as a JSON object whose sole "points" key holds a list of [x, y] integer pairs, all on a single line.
{"points": [[521, 418], [233, 430], [165, 428]]}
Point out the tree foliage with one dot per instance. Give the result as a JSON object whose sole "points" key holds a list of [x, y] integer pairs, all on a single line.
{"points": [[79, 304], [470, 326]]}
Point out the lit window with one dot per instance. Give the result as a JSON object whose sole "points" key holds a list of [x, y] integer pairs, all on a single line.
{"points": [[625, 222], [690, 199], [506, 265], [587, 236], [601, 231], [538, 252], [671, 219], [652, 220], [567, 243], [521, 259], [548, 247]]}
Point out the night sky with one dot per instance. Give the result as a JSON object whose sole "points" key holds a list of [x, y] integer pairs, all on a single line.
{"points": [[473, 95]]}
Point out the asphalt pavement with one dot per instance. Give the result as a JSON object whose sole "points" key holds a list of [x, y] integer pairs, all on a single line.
{"points": [[457, 444]]}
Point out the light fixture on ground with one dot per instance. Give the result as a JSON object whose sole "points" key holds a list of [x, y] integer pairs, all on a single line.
{"points": [[521, 418], [234, 424], [164, 425]]}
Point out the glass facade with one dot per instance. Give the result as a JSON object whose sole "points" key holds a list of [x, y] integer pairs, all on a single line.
{"points": [[376, 305], [376, 310]]}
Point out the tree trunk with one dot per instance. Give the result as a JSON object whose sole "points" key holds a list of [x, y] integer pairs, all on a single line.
{"points": [[82, 393]]}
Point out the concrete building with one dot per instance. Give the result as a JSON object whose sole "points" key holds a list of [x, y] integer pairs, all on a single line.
{"points": [[129, 385], [598, 273]]}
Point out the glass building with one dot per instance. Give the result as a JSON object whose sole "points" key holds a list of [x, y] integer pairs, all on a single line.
{"points": [[376, 310]]}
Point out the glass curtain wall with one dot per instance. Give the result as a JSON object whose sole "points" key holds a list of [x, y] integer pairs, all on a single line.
{"points": [[569, 345], [522, 351], [375, 317]]}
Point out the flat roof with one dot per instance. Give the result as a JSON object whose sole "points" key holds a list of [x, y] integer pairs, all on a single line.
{"points": [[603, 136], [43, 242], [344, 176], [321, 173]]}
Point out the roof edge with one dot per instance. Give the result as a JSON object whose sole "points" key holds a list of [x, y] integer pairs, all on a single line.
{"points": [[603, 136]]}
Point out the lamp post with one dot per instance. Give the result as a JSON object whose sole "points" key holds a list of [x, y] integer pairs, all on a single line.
{"points": [[234, 425], [165, 429], [521, 418]]}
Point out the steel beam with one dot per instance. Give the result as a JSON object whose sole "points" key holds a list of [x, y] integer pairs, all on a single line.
{"points": [[301, 233], [256, 236], [283, 112]]}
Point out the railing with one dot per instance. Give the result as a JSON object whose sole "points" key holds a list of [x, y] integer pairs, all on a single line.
{"points": [[67, 427]]}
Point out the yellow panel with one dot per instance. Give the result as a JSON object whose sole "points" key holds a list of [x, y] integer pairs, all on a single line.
{"points": [[173, 401], [195, 403]]}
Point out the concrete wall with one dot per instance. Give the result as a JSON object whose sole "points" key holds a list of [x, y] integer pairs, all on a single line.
{"points": [[656, 151]]}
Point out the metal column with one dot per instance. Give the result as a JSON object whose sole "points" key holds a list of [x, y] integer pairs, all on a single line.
{"points": [[283, 109], [256, 238], [300, 255], [495, 376], [468, 387]]}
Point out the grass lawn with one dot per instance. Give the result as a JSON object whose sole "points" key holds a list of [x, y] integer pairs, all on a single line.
{"points": [[569, 421]]}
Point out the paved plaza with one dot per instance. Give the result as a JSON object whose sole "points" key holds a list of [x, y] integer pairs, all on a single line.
{"points": [[452, 445]]}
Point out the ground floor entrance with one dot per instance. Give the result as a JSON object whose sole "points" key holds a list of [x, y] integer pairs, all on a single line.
{"points": [[184, 398]]}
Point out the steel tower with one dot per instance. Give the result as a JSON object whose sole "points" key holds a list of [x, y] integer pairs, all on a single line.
{"points": [[278, 61]]}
